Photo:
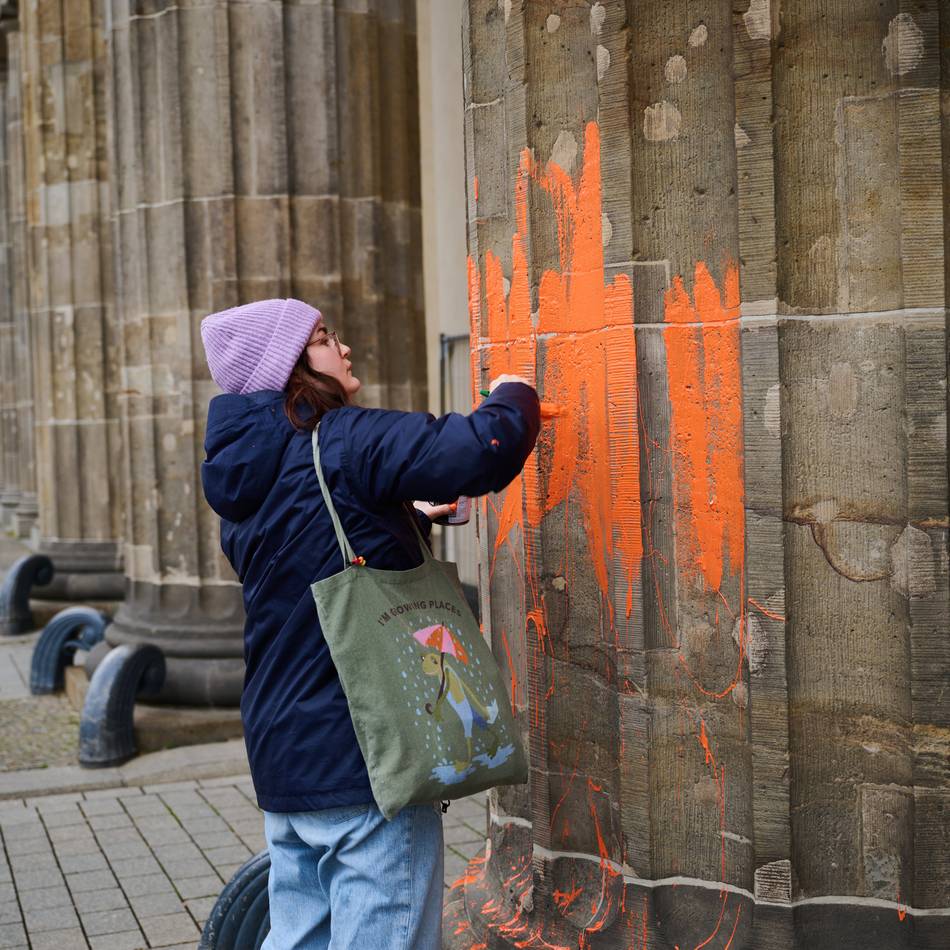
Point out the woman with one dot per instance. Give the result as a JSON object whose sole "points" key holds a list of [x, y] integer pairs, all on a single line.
{"points": [[341, 875]]}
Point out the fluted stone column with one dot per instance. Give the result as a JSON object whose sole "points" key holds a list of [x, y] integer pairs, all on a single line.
{"points": [[861, 238], [26, 510], [9, 470], [719, 591], [261, 149], [70, 297]]}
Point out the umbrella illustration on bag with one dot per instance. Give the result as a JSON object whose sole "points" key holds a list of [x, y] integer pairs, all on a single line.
{"points": [[442, 642]]}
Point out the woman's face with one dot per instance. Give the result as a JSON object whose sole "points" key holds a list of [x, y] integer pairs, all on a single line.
{"points": [[326, 354]]}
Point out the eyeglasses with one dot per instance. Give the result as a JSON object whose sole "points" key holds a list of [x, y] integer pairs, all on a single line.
{"points": [[325, 340]]}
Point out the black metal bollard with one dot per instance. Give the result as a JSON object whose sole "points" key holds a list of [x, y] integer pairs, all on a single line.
{"points": [[240, 919], [106, 735], [72, 629], [27, 572]]}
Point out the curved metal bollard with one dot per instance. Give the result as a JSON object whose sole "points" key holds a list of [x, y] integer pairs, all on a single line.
{"points": [[72, 629], [240, 919], [25, 573], [106, 736]]}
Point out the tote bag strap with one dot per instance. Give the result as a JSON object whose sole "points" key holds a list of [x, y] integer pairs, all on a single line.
{"points": [[346, 549]]}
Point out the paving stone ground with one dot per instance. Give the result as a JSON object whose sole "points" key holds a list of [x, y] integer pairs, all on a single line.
{"points": [[128, 867]]}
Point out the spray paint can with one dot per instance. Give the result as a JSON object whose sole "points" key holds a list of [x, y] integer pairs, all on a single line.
{"points": [[461, 515]]}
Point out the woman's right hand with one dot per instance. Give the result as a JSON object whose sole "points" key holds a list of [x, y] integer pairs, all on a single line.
{"points": [[508, 378]]}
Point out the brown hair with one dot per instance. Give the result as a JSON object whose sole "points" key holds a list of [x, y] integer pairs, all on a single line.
{"points": [[309, 390]]}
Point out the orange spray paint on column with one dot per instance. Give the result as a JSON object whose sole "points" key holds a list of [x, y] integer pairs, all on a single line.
{"points": [[583, 337]]}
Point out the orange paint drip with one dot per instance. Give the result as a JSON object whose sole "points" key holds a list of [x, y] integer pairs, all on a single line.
{"points": [[512, 670], [591, 380], [766, 613], [704, 377], [590, 371]]}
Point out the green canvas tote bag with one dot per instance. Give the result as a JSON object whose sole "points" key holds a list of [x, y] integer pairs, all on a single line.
{"points": [[427, 699]]}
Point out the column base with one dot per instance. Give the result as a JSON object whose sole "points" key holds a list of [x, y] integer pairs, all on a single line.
{"points": [[9, 500], [201, 632], [85, 570], [26, 515]]}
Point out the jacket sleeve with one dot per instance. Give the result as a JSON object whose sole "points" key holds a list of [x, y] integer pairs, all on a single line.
{"points": [[393, 456]]}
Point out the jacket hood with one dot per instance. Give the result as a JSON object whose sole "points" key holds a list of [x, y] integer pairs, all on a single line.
{"points": [[244, 444]]}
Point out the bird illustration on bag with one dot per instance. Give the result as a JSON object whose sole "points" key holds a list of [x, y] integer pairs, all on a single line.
{"points": [[454, 690]]}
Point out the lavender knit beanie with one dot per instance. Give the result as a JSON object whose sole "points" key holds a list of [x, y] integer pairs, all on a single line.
{"points": [[255, 346]]}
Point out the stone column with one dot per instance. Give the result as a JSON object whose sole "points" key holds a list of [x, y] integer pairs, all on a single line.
{"points": [[261, 149], [719, 591], [860, 227], [70, 289], [9, 468], [26, 511]]}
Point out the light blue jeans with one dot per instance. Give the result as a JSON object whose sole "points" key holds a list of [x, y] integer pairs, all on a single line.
{"points": [[345, 878]]}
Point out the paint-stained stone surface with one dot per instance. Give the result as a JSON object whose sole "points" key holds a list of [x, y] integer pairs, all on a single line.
{"points": [[719, 589], [715, 237]]}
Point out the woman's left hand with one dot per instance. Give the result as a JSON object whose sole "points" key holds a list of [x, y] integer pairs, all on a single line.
{"points": [[435, 511]]}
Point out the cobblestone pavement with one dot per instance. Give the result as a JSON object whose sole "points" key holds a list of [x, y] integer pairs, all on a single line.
{"points": [[35, 731]]}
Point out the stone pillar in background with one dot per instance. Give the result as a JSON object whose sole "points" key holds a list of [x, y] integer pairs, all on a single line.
{"points": [[374, 151], [719, 590], [261, 150], [70, 297], [26, 511], [9, 468]]}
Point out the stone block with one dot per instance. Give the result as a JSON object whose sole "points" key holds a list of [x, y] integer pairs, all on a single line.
{"points": [[29, 879], [125, 868], [99, 922], [147, 884], [209, 885], [83, 862], [52, 918], [153, 905], [77, 846], [110, 898], [169, 927], [110, 822], [177, 870], [70, 939], [227, 856], [91, 881], [201, 908], [128, 940], [19, 847], [12, 936]]}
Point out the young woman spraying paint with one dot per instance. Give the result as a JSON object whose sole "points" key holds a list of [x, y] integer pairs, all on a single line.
{"points": [[341, 875]]}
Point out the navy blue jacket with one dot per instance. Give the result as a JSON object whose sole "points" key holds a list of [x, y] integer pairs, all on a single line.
{"points": [[258, 475]]}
